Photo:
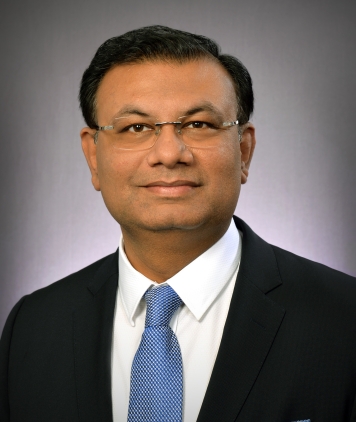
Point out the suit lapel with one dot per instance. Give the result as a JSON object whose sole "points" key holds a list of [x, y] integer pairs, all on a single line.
{"points": [[92, 327], [251, 326]]}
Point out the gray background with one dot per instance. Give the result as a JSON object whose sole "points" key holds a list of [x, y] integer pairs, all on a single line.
{"points": [[301, 191]]}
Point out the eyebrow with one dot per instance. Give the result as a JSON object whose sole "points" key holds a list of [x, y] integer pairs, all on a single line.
{"points": [[204, 106], [128, 110], [200, 107]]}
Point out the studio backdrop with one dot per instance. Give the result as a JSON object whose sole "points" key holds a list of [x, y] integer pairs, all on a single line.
{"points": [[301, 193]]}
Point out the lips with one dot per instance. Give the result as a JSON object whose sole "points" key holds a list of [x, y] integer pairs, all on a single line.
{"points": [[173, 183], [171, 189]]}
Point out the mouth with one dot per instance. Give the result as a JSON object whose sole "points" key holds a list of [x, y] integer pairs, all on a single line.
{"points": [[172, 184], [175, 188]]}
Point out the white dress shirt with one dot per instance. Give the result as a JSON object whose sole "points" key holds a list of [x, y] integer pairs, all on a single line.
{"points": [[205, 287]]}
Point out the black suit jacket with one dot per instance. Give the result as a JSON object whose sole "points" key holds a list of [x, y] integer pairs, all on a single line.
{"points": [[288, 350]]}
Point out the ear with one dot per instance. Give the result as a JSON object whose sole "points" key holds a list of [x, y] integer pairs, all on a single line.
{"points": [[89, 149], [247, 146]]}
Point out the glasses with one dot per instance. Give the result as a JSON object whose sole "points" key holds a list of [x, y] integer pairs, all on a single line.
{"points": [[128, 133]]}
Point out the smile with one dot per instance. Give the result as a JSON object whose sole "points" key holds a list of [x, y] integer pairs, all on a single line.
{"points": [[172, 189]]}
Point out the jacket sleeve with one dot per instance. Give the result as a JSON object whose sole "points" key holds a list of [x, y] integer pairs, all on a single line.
{"points": [[5, 346]]}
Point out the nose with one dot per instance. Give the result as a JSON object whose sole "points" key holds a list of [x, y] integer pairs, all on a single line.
{"points": [[169, 148], [177, 126]]}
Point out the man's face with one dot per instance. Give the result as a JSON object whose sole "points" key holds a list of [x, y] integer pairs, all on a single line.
{"points": [[169, 186]]}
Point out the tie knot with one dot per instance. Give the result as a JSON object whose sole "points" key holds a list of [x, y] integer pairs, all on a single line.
{"points": [[162, 302]]}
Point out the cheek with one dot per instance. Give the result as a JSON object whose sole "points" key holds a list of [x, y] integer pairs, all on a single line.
{"points": [[223, 168], [115, 171], [222, 176], [229, 186]]}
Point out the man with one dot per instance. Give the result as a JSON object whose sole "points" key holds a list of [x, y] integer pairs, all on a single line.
{"points": [[195, 317]]}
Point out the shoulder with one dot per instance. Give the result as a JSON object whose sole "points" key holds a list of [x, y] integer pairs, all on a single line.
{"points": [[296, 283], [288, 267], [73, 285], [315, 290], [59, 298], [294, 267]]}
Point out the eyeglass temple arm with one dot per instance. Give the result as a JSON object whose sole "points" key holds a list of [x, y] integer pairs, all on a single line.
{"points": [[98, 128], [229, 124]]}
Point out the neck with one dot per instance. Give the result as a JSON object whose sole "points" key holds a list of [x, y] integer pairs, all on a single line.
{"points": [[160, 255]]}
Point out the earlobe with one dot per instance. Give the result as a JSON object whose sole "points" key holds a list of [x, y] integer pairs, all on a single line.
{"points": [[90, 150], [244, 172], [247, 147]]}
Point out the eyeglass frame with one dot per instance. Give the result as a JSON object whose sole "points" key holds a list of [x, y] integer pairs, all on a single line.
{"points": [[158, 130]]}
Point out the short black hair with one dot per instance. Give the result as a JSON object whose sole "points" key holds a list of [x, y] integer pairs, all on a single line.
{"points": [[156, 43]]}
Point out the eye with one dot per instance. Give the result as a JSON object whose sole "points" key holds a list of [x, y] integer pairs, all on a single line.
{"points": [[137, 128], [199, 125], [196, 125]]}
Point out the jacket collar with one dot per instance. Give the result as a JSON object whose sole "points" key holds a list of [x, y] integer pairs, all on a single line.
{"points": [[258, 262], [250, 329], [92, 340]]}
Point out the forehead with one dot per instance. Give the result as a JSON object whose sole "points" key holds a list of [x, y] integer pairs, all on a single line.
{"points": [[166, 88]]}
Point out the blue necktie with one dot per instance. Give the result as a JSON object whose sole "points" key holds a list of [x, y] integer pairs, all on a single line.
{"points": [[156, 391]]}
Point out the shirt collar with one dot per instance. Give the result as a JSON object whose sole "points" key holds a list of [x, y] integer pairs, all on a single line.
{"points": [[198, 284]]}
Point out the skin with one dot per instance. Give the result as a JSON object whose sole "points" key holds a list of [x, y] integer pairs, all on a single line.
{"points": [[173, 202]]}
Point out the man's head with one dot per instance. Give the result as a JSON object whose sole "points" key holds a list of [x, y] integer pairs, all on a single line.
{"points": [[160, 43], [157, 74]]}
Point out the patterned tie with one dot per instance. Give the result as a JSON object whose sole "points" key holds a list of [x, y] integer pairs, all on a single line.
{"points": [[156, 393]]}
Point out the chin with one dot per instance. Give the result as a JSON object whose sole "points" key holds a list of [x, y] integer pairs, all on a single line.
{"points": [[170, 225], [163, 223]]}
